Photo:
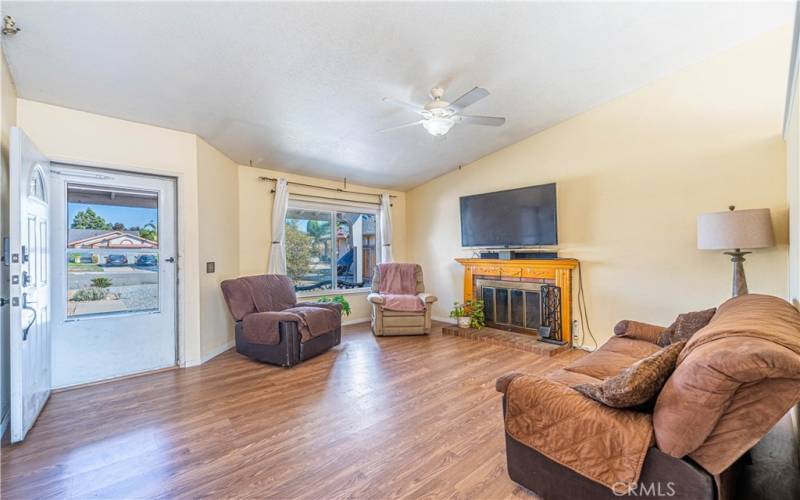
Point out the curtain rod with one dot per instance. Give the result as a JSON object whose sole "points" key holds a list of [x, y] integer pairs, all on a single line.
{"points": [[318, 197], [338, 190]]}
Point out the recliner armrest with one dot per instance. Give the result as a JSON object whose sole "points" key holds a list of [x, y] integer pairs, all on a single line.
{"points": [[376, 298], [325, 305], [263, 327], [428, 298]]}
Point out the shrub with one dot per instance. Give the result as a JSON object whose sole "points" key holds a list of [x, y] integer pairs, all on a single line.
{"points": [[89, 294], [101, 282], [339, 299]]}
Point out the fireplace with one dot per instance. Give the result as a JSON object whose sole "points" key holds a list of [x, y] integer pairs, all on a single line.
{"points": [[521, 306], [526, 296], [511, 304]]}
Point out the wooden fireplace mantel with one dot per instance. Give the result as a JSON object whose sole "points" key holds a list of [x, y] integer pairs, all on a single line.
{"points": [[555, 271]]}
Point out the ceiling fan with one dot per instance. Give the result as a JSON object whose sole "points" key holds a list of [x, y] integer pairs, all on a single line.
{"points": [[439, 116]]}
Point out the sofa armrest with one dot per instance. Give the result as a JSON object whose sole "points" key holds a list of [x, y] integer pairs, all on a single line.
{"points": [[428, 298], [501, 384], [376, 298], [638, 330], [606, 445]]}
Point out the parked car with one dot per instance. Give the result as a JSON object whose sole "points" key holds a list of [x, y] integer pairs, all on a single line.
{"points": [[116, 260], [146, 261]]}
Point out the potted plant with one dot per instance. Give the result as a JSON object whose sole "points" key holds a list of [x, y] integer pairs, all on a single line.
{"points": [[469, 314], [339, 299]]}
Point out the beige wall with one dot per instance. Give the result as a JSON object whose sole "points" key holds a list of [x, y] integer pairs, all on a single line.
{"points": [[632, 176], [792, 138], [255, 212], [8, 119], [72, 136], [218, 187]]}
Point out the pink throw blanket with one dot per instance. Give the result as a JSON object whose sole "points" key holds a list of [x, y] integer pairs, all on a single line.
{"points": [[398, 285]]}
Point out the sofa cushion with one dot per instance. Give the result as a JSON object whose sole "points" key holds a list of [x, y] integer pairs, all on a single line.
{"points": [[685, 325], [569, 378], [612, 357], [637, 384]]}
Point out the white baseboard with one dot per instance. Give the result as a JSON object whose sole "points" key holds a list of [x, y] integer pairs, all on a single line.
{"points": [[4, 424], [216, 352]]}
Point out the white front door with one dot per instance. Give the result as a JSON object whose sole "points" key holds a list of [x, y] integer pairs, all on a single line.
{"points": [[29, 240], [114, 274]]}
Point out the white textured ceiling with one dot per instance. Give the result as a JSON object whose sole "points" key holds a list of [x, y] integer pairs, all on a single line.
{"points": [[298, 86]]}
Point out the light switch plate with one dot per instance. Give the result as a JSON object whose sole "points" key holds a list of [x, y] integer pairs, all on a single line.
{"points": [[211, 267]]}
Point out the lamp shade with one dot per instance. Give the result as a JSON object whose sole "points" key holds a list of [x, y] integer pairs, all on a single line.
{"points": [[735, 229]]}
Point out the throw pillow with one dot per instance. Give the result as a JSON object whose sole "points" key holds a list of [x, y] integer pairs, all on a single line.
{"points": [[639, 383], [685, 326]]}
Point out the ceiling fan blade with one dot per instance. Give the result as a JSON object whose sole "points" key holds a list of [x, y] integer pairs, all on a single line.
{"points": [[469, 98], [391, 129], [492, 121], [413, 107]]}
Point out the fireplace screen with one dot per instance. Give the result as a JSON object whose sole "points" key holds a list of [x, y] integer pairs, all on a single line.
{"points": [[519, 306]]}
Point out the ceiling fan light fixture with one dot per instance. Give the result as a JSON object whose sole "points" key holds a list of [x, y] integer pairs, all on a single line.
{"points": [[438, 125]]}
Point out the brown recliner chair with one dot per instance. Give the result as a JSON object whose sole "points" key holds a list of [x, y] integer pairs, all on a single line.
{"points": [[388, 322], [272, 327]]}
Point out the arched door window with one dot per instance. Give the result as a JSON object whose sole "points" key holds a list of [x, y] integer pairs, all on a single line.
{"points": [[36, 186]]}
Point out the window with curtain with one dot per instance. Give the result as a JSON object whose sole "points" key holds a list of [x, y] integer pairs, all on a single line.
{"points": [[331, 247]]}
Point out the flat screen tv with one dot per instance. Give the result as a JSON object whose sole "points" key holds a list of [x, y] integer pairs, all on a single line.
{"points": [[521, 217]]}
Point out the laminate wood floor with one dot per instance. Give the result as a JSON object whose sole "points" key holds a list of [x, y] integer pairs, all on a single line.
{"points": [[401, 417]]}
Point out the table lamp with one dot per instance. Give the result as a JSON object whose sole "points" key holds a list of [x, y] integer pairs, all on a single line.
{"points": [[735, 230]]}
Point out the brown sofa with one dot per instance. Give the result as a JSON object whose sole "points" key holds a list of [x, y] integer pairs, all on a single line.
{"points": [[734, 380], [387, 322], [272, 327]]}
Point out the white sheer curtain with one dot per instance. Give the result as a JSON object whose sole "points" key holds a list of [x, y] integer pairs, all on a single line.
{"points": [[277, 254], [386, 228]]}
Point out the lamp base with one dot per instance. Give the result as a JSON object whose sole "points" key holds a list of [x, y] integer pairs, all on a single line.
{"points": [[739, 279]]}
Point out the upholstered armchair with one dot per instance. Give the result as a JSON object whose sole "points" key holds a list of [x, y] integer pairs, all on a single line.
{"points": [[400, 307], [272, 327]]}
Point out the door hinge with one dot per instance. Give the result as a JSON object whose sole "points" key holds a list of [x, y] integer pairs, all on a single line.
{"points": [[6, 249], [3, 301]]}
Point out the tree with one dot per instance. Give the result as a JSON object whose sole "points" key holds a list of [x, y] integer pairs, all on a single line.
{"points": [[299, 251], [320, 232], [89, 220], [149, 231], [118, 226]]}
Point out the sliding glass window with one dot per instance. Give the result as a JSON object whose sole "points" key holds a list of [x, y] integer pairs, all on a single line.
{"points": [[330, 248]]}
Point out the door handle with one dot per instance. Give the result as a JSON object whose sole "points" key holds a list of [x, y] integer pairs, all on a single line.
{"points": [[170, 260], [26, 278], [27, 328]]}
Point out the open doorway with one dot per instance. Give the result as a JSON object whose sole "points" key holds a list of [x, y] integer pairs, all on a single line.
{"points": [[114, 290]]}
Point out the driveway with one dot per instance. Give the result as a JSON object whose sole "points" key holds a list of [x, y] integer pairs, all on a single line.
{"points": [[119, 276]]}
